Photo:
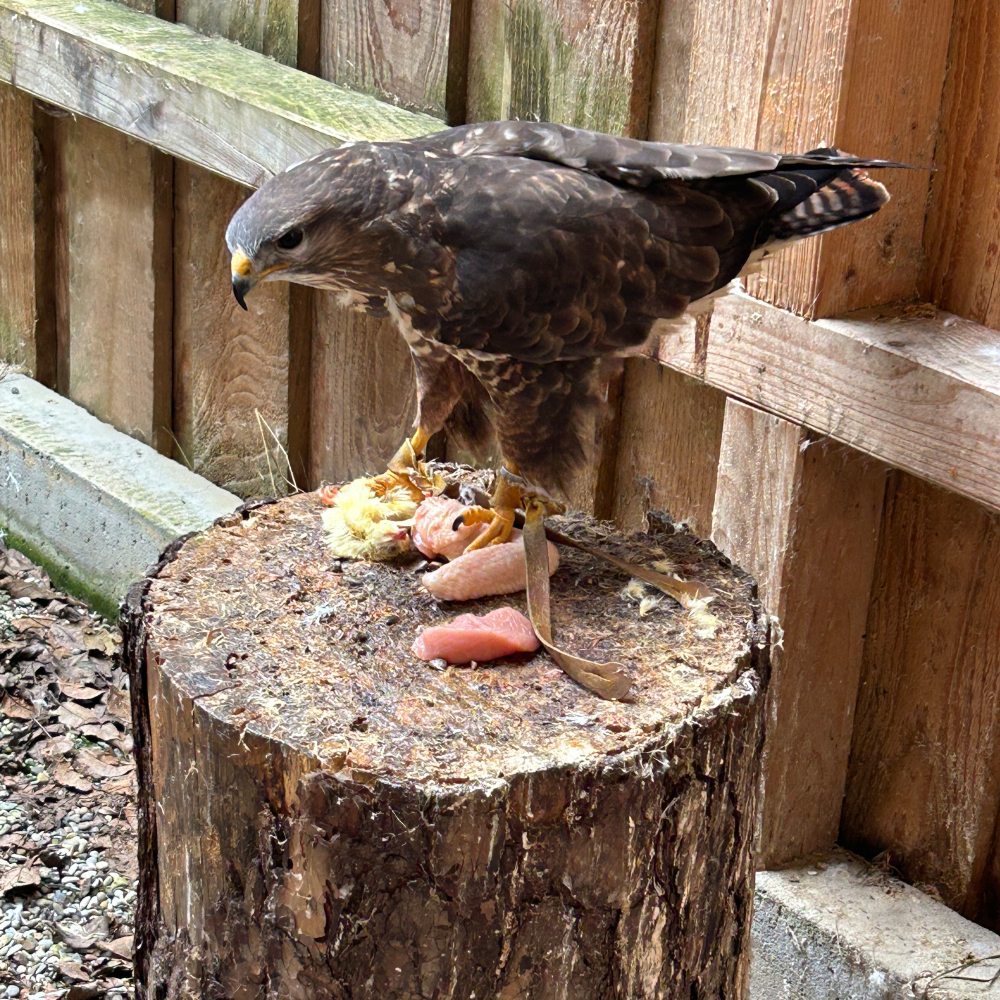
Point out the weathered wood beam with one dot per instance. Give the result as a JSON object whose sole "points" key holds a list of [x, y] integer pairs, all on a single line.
{"points": [[206, 100], [803, 516], [917, 388]]}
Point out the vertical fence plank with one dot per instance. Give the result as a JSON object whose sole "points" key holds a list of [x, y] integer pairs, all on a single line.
{"points": [[117, 216], [229, 365], [588, 63], [232, 374], [963, 228], [17, 229], [867, 78], [397, 52], [268, 26], [655, 469], [362, 393], [924, 782], [803, 517]]}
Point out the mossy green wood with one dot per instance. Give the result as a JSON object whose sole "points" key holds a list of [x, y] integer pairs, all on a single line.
{"points": [[206, 100], [268, 26], [587, 64]]}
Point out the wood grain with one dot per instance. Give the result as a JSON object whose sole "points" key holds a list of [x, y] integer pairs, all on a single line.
{"points": [[668, 447], [322, 763], [925, 769], [582, 62], [962, 237], [267, 26], [223, 107], [117, 206], [710, 65], [868, 78], [17, 229], [803, 517], [396, 51], [916, 391], [229, 365], [363, 397]]}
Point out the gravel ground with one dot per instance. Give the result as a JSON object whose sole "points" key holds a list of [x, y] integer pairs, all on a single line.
{"points": [[67, 796]]}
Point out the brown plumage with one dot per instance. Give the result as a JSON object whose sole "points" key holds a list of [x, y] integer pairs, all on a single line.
{"points": [[515, 257]]}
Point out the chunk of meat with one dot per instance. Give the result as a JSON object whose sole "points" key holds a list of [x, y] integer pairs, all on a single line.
{"points": [[433, 534], [470, 637], [498, 569]]}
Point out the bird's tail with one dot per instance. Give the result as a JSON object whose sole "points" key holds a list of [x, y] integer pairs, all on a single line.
{"points": [[815, 199]]}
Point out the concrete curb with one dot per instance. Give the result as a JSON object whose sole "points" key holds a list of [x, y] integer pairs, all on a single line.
{"points": [[94, 506], [838, 929]]}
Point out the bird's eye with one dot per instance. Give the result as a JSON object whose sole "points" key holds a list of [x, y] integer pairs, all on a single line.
{"points": [[291, 239]]}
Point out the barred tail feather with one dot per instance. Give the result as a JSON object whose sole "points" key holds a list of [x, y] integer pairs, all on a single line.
{"points": [[848, 197]]}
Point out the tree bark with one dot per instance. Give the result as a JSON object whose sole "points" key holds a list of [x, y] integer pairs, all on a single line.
{"points": [[323, 816]]}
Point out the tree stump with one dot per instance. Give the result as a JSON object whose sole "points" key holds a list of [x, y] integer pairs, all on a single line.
{"points": [[325, 816]]}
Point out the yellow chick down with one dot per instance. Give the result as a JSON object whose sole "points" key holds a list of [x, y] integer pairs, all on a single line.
{"points": [[362, 525]]}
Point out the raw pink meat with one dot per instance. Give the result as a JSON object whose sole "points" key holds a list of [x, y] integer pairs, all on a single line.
{"points": [[470, 637], [497, 569], [432, 532]]}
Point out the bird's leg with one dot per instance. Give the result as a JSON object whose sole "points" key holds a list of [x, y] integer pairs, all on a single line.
{"points": [[510, 493], [402, 466]]}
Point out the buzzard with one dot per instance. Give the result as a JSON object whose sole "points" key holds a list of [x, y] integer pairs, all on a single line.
{"points": [[517, 257]]}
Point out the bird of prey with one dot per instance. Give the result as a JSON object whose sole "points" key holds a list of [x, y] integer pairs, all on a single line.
{"points": [[516, 257]]}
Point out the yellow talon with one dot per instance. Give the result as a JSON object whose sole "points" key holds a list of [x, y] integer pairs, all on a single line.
{"points": [[501, 524]]}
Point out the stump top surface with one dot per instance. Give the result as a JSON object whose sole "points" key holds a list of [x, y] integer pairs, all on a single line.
{"points": [[273, 635]]}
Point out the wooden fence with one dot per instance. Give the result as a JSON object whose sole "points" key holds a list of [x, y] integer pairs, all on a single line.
{"points": [[852, 464]]}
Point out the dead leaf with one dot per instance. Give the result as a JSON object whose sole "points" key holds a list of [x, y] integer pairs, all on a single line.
{"points": [[102, 641], [105, 731], [25, 624], [55, 748], [99, 766], [14, 708], [79, 692], [64, 775], [118, 705], [119, 786], [25, 876], [126, 744], [72, 715], [22, 588], [122, 947], [73, 970], [12, 841], [67, 636], [81, 937]]}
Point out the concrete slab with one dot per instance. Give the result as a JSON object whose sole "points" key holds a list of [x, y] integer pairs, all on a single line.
{"points": [[837, 929], [94, 506]]}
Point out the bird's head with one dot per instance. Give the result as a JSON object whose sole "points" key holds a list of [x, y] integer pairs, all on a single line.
{"points": [[307, 224]]}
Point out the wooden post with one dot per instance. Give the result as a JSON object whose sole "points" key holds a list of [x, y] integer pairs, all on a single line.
{"points": [[324, 815], [115, 335], [234, 373], [803, 516], [924, 784]]}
